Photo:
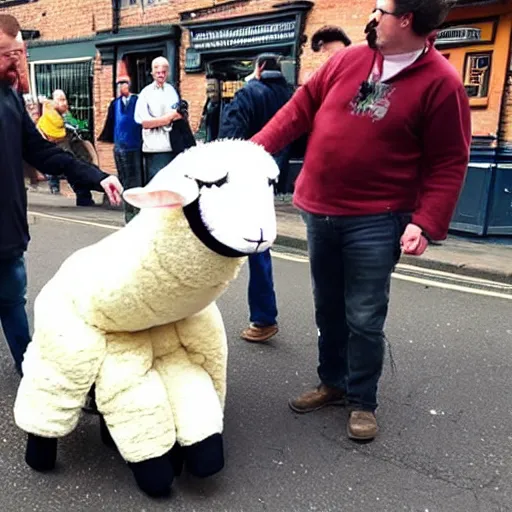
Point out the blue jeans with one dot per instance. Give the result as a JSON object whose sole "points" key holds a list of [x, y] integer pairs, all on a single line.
{"points": [[155, 162], [262, 298], [13, 288], [351, 261], [129, 169]]}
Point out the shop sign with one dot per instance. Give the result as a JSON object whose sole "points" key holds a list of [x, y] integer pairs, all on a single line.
{"points": [[454, 35], [251, 35]]}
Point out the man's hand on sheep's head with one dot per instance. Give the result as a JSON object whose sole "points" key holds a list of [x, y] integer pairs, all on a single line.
{"points": [[113, 188]]}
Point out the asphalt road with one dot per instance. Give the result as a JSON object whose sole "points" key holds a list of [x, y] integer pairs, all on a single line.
{"points": [[445, 415]]}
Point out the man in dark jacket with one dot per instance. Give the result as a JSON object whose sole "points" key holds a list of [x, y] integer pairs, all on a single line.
{"points": [[252, 107], [20, 140]]}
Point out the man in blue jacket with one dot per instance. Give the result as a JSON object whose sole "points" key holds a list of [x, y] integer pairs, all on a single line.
{"points": [[252, 107], [121, 129], [20, 140]]}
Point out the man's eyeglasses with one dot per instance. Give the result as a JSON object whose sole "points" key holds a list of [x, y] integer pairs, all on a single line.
{"points": [[383, 11], [378, 13], [12, 55]]}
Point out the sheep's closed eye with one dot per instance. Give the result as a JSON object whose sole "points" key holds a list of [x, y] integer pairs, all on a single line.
{"points": [[272, 182], [210, 184]]}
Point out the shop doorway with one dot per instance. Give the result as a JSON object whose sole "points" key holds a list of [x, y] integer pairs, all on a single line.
{"points": [[224, 77], [139, 68]]}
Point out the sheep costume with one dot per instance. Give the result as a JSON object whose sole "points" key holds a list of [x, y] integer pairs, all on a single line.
{"points": [[135, 316]]}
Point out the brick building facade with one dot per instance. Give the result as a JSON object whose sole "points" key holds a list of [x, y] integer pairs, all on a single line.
{"points": [[217, 38]]}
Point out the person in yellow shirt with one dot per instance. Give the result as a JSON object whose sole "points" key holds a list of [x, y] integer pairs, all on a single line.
{"points": [[52, 127]]}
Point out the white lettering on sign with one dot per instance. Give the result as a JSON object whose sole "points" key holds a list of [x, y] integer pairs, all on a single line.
{"points": [[457, 34], [254, 34]]}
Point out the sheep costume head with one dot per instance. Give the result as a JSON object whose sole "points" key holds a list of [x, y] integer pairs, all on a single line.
{"points": [[134, 317]]}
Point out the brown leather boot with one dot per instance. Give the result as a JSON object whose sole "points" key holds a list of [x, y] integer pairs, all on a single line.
{"points": [[318, 398], [259, 334], [362, 426]]}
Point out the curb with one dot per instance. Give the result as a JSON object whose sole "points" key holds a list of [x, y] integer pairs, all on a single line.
{"points": [[420, 262], [462, 270]]}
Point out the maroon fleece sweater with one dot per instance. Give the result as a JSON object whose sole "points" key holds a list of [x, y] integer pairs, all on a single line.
{"points": [[405, 147]]}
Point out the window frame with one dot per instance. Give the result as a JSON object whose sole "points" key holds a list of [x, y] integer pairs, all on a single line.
{"points": [[478, 101]]}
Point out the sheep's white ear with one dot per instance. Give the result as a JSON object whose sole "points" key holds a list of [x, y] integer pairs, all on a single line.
{"points": [[167, 189], [142, 197]]}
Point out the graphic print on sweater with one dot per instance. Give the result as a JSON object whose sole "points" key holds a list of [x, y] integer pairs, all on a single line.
{"points": [[372, 100]]}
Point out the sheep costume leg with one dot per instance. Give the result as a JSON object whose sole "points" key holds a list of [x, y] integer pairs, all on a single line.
{"points": [[146, 330]]}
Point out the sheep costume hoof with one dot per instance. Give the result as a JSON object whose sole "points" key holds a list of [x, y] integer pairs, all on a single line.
{"points": [[133, 319]]}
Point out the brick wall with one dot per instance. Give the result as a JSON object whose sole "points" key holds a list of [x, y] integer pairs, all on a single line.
{"points": [[64, 19], [103, 76], [506, 120]]}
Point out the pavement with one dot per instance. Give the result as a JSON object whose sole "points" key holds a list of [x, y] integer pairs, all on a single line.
{"points": [[471, 256], [445, 415]]}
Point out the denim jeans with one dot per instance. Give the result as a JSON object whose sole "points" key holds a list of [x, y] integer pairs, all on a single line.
{"points": [[155, 162], [129, 169], [262, 298], [13, 288], [351, 259]]}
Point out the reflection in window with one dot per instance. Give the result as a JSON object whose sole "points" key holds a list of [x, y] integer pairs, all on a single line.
{"points": [[477, 73]]}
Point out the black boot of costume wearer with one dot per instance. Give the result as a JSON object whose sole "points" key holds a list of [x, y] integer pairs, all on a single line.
{"points": [[41, 453], [176, 456], [105, 434], [90, 406], [205, 458], [154, 476]]}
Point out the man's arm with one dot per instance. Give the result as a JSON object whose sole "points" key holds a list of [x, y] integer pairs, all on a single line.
{"points": [[296, 117], [446, 143]]}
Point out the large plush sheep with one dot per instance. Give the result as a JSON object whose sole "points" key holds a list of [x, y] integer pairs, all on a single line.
{"points": [[135, 315]]}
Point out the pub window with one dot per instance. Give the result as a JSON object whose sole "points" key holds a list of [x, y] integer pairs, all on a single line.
{"points": [[477, 71]]}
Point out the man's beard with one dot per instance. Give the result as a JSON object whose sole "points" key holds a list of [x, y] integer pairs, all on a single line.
{"points": [[9, 76], [371, 34]]}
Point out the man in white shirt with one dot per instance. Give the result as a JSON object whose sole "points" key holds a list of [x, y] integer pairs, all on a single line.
{"points": [[156, 111]]}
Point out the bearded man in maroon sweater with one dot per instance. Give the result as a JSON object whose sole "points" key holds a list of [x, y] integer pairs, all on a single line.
{"points": [[390, 132]]}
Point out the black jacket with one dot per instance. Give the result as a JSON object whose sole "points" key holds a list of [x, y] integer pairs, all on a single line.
{"points": [[107, 134], [253, 106], [20, 140], [181, 136]]}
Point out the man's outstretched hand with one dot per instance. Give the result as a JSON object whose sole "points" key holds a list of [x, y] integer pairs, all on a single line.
{"points": [[413, 242], [113, 188]]}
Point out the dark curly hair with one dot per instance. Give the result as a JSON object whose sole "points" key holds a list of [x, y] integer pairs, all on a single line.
{"points": [[427, 14], [328, 34]]}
